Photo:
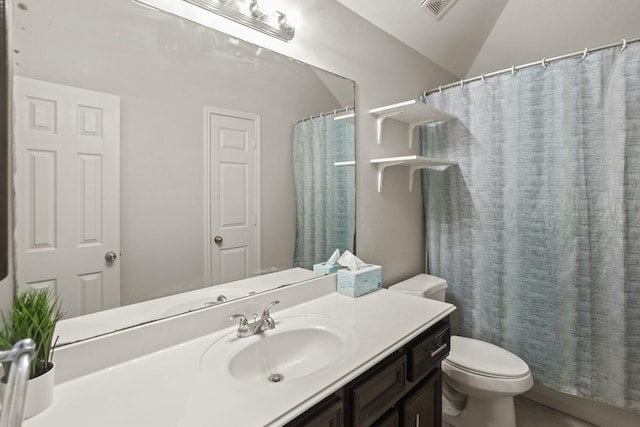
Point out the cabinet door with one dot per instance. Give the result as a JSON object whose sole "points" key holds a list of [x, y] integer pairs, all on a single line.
{"points": [[422, 408], [390, 419], [328, 413]]}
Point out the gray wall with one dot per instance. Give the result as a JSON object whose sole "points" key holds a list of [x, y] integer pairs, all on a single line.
{"points": [[390, 225]]}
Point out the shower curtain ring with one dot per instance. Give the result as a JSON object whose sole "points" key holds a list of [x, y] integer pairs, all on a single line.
{"points": [[624, 45], [513, 70], [584, 54], [543, 63], [440, 88], [482, 76], [461, 83]]}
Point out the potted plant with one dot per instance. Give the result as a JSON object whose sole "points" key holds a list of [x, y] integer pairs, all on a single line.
{"points": [[34, 315]]}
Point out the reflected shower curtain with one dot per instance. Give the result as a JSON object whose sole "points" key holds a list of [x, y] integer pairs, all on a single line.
{"points": [[538, 229], [325, 193]]}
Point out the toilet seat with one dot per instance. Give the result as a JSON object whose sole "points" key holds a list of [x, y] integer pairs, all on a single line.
{"points": [[485, 359]]}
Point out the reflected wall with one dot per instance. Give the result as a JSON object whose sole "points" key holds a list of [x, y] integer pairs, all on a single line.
{"points": [[165, 71]]}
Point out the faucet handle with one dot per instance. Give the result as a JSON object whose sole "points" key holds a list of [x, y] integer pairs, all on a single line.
{"points": [[243, 326], [265, 312], [267, 320]]}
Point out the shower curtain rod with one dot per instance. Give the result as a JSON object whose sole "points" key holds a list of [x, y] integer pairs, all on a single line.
{"points": [[544, 62], [339, 110]]}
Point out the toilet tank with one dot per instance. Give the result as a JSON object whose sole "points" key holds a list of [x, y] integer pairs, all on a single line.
{"points": [[422, 285]]}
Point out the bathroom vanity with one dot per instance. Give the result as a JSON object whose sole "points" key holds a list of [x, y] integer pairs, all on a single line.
{"points": [[404, 389], [372, 360]]}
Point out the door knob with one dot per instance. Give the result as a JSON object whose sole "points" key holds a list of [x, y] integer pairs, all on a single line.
{"points": [[218, 239], [110, 256]]}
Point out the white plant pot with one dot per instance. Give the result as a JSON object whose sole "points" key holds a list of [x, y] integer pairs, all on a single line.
{"points": [[39, 393]]}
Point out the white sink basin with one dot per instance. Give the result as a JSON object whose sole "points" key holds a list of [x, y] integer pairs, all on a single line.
{"points": [[296, 349]]}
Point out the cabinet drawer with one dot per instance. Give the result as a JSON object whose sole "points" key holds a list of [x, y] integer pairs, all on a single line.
{"points": [[374, 395], [428, 352]]}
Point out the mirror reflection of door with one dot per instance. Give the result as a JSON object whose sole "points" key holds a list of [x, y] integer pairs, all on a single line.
{"points": [[67, 193], [234, 242]]}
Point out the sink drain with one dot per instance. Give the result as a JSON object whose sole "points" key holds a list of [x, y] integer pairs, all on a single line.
{"points": [[276, 378]]}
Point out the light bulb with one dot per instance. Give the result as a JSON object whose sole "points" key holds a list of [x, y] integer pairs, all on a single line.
{"points": [[294, 18], [269, 6]]}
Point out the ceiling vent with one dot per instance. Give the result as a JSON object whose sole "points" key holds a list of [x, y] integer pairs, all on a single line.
{"points": [[436, 8]]}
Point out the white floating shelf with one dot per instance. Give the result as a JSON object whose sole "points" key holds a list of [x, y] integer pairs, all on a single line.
{"points": [[347, 163], [414, 163], [413, 112]]}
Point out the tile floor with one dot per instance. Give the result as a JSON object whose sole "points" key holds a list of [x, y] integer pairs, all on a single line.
{"points": [[532, 414]]}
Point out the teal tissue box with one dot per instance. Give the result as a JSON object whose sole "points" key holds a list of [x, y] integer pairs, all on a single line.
{"points": [[359, 282], [323, 268]]}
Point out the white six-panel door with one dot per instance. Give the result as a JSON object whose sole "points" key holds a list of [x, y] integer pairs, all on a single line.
{"points": [[231, 145], [67, 193]]}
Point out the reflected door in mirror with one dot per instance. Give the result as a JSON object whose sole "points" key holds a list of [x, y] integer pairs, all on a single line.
{"points": [[234, 192], [67, 198]]}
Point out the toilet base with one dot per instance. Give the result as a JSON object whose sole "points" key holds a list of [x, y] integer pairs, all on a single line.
{"points": [[479, 412]]}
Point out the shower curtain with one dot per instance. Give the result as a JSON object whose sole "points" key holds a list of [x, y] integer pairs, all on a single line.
{"points": [[325, 193], [538, 230]]}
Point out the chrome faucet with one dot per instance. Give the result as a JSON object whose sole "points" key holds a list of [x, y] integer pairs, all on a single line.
{"points": [[13, 403], [246, 328], [221, 298]]}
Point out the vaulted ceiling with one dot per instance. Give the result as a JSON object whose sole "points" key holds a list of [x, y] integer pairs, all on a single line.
{"points": [[475, 36], [453, 41]]}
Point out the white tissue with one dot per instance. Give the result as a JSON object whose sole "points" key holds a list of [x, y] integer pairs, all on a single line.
{"points": [[351, 261], [333, 259]]}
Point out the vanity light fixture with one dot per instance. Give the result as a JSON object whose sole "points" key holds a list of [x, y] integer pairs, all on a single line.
{"points": [[250, 14]]}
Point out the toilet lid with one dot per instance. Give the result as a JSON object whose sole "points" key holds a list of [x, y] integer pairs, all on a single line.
{"points": [[485, 359]]}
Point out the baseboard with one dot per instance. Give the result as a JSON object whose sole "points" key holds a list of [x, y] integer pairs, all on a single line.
{"points": [[596, 413]]}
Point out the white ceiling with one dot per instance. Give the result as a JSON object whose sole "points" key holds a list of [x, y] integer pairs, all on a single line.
{"points": [[476, 36], [453, 42]]}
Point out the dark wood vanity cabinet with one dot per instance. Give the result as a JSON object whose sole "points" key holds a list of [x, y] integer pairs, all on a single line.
{"points": [[369, 395], [328, 413], [405, 389], [423, 406]]}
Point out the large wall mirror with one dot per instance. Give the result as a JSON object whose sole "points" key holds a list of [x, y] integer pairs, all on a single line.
{"points": [[4, 146], [156, 157]]}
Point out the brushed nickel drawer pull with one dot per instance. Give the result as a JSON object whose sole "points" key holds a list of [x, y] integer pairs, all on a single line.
{"points": [[415, 419], [439, 349]]}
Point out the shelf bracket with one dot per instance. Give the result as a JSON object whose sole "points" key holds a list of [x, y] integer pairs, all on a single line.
{"points": [[381, 168], [380, 122], [412, 126], [412, 170]]}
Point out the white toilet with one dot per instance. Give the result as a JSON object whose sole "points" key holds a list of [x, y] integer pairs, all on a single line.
{"points": [[479, 379]]}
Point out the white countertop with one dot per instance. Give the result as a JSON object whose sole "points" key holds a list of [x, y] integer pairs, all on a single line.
{"points": [[169, 388]]}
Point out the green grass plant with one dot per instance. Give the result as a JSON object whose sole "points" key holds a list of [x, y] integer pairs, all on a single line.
{"points": [[34, 315]]}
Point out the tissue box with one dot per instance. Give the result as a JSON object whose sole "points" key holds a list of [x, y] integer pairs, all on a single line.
{"points": [[359, 282], [324, 268]]}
